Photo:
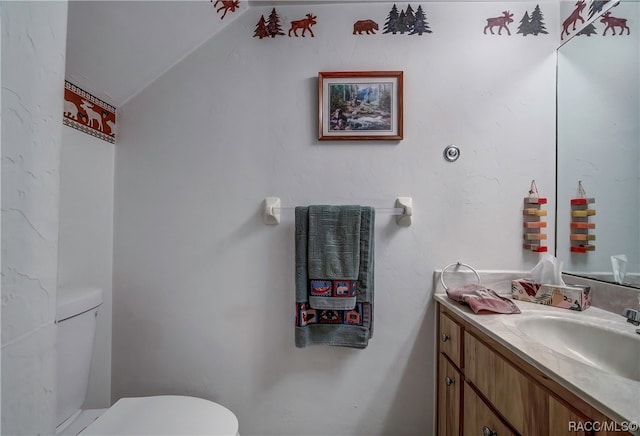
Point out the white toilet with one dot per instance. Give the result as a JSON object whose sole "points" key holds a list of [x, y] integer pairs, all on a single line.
{"points": [[157, 415]]}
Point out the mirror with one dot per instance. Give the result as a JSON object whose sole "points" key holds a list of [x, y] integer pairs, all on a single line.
{"points": [[598, 143]]}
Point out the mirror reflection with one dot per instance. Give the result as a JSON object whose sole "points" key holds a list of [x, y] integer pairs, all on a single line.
{"points": [[598, 146]]}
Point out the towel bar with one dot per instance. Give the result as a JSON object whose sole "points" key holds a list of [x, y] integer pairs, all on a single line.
{"points": [[404, 210]]}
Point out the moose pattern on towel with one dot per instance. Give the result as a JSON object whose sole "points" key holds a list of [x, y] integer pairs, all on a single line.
{"points": [[360, 315]]}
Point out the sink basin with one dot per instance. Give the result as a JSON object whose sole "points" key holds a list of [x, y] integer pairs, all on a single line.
{"points": [[610, 350]]}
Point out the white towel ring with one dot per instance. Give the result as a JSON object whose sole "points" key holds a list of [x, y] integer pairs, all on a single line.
{"points": [[457, 264]]}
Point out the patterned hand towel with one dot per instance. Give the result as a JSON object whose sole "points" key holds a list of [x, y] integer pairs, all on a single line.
{"points": [[342, 327], [481, 299]]}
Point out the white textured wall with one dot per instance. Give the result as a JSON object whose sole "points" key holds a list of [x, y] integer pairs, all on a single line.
{"points": [[86, 239], [204, 292], [33, 53]]}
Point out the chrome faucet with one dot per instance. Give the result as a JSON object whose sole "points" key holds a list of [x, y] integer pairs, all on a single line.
{"points": [[632, 315]]}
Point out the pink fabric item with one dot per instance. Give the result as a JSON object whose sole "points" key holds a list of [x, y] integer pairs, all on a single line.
{"points": [[481, 299]]}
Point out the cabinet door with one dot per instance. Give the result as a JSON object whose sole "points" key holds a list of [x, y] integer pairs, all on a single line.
{"points": [[520, 401], [479, 419], [450, 338], [449, 389], [479, 365], [563, 421]]}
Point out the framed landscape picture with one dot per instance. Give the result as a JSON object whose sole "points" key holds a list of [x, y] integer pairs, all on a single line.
{"points": [[360, 105]]}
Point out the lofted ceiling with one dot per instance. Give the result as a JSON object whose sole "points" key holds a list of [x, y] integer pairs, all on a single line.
{"points": [[116, 48]]}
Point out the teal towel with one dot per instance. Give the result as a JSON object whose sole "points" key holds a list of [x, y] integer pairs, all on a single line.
{"points": [[352, 327], [333, 250], [333, 256]]}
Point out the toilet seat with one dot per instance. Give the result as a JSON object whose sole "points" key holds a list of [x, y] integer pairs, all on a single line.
{"points": [[164, 415]]}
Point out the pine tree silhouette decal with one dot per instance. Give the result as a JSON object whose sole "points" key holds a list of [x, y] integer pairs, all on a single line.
{"points": [[596, 7], [391, 25], [421, 26], [537, 21], [402, 23], [525, 25], [261, 28], [273, 24], [532, 25], [409, 19], [589, 30]]}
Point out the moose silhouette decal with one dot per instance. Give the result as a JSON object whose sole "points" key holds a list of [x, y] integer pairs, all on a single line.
{"points": [[227, 5], [613, 22], [572, 19], [304, 24], [501, 22]]}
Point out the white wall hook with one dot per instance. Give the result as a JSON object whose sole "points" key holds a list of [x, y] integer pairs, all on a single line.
{"points": [[407, 204], [271, 211]]}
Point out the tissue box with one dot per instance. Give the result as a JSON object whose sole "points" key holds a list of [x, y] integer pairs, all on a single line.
{"points": [[574, 297]]}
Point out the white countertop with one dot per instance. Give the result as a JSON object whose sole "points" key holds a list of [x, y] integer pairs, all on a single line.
{"points": [[615, 396]]}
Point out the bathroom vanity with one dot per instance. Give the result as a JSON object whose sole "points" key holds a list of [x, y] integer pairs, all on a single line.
{"points": [[495, 378]]}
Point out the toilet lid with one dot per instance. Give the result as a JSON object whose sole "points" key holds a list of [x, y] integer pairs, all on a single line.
{"points": [[164, 415]]}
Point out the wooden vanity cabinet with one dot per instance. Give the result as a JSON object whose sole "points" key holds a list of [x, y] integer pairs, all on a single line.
{"points": [[521, 401], [450, 386], [485, 389], [450, 380], [450, 339], [479, 418], [560, 416]]}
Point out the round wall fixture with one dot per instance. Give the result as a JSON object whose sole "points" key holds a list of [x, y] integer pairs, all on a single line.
{"points": [[451, 153]]}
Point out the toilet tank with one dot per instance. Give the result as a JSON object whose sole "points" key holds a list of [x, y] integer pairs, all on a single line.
{"points": [[77, 308]]}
